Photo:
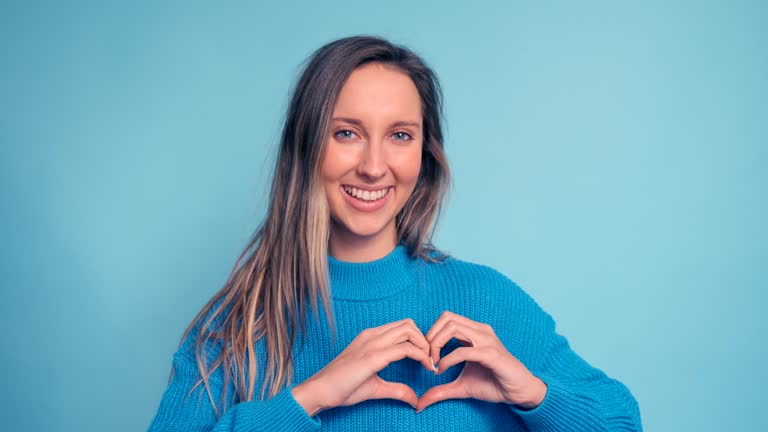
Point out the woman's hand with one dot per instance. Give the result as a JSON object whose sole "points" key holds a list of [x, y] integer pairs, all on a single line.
{"points": [[490, 373], [352, 377]]}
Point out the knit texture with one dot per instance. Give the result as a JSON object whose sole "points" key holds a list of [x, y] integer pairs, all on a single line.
{"points": [[579, 396]]}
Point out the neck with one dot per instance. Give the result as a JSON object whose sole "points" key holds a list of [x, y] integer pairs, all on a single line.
{"points": [[345, 246], [371, 280]]}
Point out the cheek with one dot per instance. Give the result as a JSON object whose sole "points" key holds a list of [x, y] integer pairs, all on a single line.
{"points": [[336, 162], [409, 168]]}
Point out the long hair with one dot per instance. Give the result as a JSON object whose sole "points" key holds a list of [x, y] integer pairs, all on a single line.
{"points": [[284, 265]]}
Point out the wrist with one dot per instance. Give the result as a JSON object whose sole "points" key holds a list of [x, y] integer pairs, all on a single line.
{"points": [[535, 396], [305, 395]]}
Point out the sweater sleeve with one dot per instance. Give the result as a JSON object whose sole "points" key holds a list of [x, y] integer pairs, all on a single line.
{"points": [[181, 411], [579, 396]]}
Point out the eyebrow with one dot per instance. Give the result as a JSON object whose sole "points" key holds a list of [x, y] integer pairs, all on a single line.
{"points": [[358, 122]]}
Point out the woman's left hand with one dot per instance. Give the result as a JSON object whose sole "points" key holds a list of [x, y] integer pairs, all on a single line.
{"points": [[490, 373]]}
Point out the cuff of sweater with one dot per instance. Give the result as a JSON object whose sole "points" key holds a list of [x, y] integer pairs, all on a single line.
{"points": [[562, 410], [285, 414]]}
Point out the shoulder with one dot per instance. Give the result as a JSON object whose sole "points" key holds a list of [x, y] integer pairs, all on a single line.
{"points": [[455, 270], [486, 288], [205, 328]]}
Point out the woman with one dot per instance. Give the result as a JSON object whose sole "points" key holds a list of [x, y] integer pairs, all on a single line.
{"points": [[402, 336]]}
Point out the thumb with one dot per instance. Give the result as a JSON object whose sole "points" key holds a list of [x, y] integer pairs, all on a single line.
{"points": [[391, 390], [452, 390]]}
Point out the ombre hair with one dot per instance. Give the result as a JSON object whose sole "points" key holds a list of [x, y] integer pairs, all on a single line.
{"points": [[284, 265]]}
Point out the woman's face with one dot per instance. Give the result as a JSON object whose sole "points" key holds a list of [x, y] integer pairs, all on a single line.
{"points": [[372, 156]]}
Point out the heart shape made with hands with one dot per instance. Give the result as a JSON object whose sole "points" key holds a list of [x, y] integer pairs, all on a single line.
{"points": [[491, 373]]}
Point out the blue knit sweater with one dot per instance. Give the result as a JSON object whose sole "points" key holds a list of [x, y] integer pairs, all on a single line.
{"points": [[579, 396]]}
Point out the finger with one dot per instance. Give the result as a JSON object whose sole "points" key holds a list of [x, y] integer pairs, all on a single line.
{"points": [[400, 351], [484, 356], [402, 333], [447, 316], [454, 329], [452, 390], [382, 328], [398, 391]]}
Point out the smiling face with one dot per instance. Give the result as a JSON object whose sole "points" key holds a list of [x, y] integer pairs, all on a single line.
{"points": [[371, 160]]}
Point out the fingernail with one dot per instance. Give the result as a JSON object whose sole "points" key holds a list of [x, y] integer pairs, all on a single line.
{"points": [[418, 411], [434, 368]]}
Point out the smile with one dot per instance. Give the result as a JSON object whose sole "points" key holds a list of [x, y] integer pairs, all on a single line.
{"points": [[364, 195], [366, 201]]}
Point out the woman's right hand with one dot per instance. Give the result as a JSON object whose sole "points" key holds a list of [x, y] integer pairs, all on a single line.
{"points": [[352, 377]]}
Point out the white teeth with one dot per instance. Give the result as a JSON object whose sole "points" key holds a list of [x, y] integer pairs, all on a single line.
{"points": [[364, 194]]}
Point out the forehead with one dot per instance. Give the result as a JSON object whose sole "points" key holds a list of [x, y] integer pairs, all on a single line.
{"points": [[375, 92]]}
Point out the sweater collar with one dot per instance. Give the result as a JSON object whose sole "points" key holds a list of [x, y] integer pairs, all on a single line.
{"points": [[380, 278]]}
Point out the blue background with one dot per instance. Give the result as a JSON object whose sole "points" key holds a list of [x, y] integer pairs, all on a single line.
{"points": [[608, 156]]}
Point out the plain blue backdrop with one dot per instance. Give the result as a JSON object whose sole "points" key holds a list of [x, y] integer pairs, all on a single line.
{"points": [[609, 157]]}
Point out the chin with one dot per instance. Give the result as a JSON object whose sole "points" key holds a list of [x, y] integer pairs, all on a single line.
{"points": [[362, 229]]}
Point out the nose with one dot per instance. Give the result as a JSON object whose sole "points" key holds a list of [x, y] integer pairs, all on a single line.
{"points": [[372, 163]]}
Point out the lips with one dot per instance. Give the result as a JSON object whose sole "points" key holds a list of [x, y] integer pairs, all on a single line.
{"points": [[365, 206], [365, 194]]}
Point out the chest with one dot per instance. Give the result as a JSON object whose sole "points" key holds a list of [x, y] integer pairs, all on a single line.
{"points": [[385, 414]]}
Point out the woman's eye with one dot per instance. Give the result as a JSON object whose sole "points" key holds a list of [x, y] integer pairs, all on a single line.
{"points": [[347, 134], [344, 133], [403, 135]]}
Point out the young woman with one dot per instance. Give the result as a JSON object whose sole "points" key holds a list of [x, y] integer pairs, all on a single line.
{"points": [[401, 336]]}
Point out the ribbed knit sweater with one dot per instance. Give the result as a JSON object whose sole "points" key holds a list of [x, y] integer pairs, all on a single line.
{"points": [[579, 397]]}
